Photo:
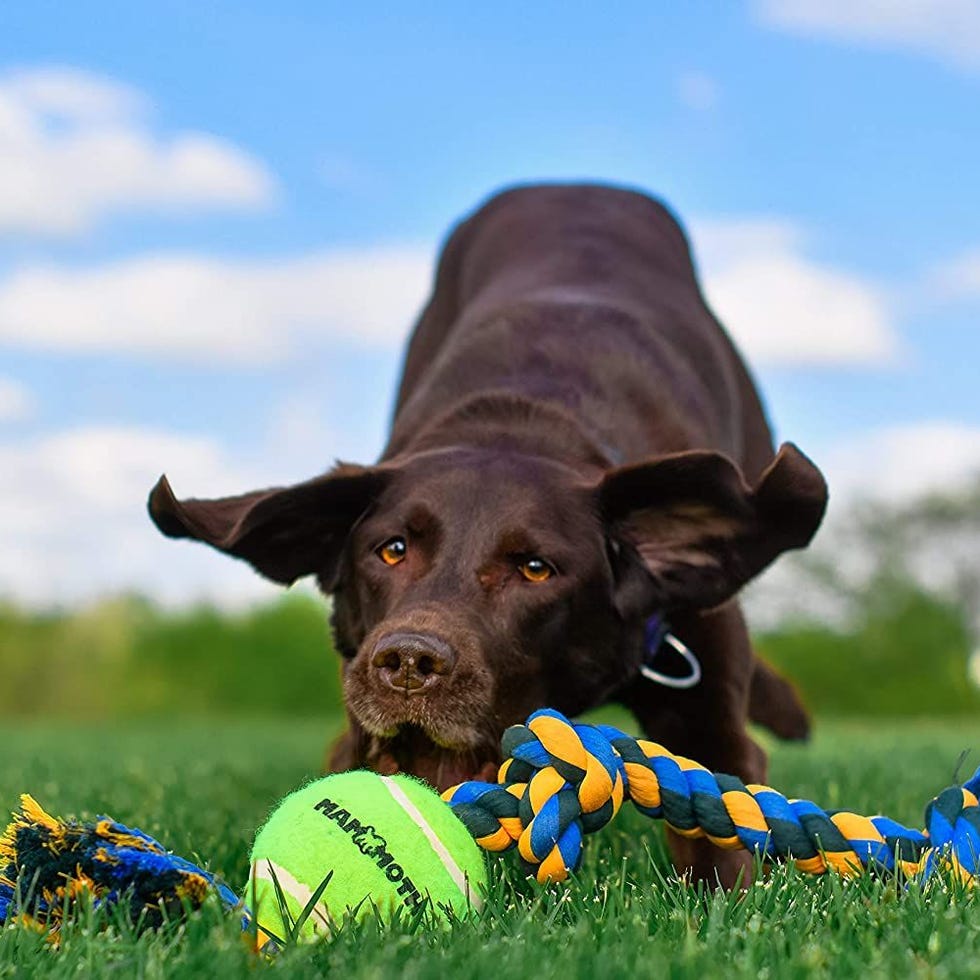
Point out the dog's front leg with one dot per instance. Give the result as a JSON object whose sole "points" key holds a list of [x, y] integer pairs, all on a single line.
{"points": [[707, 723]]}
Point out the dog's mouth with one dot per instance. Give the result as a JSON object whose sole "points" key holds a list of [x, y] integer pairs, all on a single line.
{"points": [[413, 752]]}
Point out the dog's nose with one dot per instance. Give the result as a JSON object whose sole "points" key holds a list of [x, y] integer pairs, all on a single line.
{"points": [[412, 662]]}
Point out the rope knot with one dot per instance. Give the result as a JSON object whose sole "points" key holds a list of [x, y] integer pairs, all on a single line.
{"points": [[559, 781]]}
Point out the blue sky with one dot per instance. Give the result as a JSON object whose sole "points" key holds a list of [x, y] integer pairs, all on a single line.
{"points": [[217, 222]]}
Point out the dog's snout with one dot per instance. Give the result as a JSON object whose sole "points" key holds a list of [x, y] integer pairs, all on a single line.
{"points": [[411, 662]]}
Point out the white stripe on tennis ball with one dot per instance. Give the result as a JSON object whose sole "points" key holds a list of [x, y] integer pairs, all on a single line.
{"points": [[448, 861], [264, 870]]}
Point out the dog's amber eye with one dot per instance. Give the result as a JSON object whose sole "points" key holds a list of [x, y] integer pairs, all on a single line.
{"points": [[393, 551], [535, 569]]}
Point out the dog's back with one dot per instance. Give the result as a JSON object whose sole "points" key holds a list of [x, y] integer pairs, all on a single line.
{"points": [[584, 298]]}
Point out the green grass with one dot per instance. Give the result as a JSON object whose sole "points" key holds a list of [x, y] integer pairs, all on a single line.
{"points": [[204, 788]]}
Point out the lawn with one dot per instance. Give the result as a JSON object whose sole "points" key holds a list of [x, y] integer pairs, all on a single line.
{"points": [[203, 789]]}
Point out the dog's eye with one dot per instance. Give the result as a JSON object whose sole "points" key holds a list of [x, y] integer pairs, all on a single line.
{"points": [[535, 569], [393, 551]]}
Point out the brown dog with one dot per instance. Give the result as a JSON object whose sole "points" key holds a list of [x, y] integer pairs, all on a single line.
{"points": [[577, 447]]}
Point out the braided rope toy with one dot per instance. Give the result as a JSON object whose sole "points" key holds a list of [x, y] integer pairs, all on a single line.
{"points": [[561, 781], [46, 864]]}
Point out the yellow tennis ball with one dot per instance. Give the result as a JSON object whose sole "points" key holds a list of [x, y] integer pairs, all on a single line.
{"points": [[390, 842]]}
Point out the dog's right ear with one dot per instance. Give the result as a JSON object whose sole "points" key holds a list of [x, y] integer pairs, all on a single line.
{"points": [[285, 532], [700, 530]]}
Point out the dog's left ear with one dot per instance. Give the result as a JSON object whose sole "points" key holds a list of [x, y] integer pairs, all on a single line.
{"points": [[701, 531]]}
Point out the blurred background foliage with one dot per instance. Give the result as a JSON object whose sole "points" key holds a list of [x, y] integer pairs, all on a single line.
{"points": [[885, 621], [126, 658], [887, 610]]}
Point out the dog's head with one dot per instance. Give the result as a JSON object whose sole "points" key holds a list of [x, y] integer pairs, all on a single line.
{"points": [[471, 586]]}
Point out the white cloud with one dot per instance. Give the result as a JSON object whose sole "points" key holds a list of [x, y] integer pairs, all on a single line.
{"points": [[76, 147], [899, 463], [892, 466], [310, 428], [784, 308], [16, 401], [697, 90], [780, 306], [74, 526], [195, 308], [945, 29], [69, 93], [958, 277]]}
